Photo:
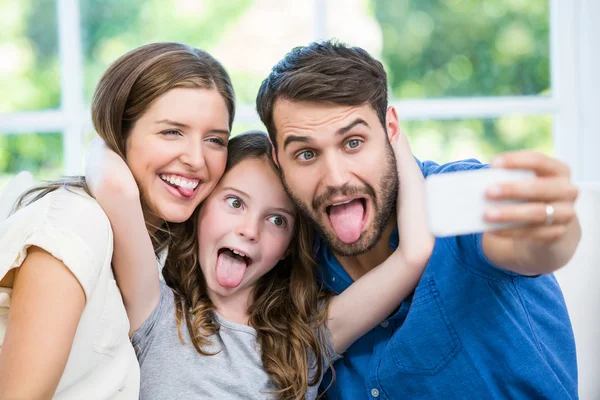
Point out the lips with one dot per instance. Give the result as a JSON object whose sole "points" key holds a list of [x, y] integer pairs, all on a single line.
{"points": [[186, 187], [180, 181], [240, 256]]}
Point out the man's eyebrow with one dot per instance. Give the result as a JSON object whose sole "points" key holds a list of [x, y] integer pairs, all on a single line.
{"points": [[348, 128], [305, 139], [295, 138]]}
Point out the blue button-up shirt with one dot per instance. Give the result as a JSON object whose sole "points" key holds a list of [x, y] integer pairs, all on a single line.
{"points": [[470, 330]]}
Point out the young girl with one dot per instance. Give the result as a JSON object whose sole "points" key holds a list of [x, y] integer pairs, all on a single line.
{"points": [[166, 109], [242, 285]]}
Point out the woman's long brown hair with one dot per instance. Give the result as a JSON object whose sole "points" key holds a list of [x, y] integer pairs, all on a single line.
{"points": [[125, 92], [288, 306]]}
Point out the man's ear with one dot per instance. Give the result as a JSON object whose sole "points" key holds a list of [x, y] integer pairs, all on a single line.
{"points": [[273, 152], [391, 124]]}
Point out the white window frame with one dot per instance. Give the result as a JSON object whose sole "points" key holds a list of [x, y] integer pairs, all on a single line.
{"points": [[572, 104]]}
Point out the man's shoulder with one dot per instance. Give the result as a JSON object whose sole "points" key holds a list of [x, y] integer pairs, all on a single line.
{"points": [[429, 167]]}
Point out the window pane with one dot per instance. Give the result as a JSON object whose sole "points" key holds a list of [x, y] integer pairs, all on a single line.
{"points": [[452, 47], [29, 68], [39, 153], [247, 36], [444, 141]]}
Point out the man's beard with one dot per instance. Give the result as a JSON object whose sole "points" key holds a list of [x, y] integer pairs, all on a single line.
{"points": [[383, 205]]}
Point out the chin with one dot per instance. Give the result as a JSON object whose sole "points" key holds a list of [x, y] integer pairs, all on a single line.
{"points": [[176, 216]]}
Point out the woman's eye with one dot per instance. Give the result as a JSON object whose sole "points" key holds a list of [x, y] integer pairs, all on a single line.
{"points": [[278, 220], [234, 202], [171, 132], [217, 140]]}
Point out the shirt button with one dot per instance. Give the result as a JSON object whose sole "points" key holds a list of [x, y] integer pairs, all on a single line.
{"points": [[374, 392], [385, 324], [333, 279]]}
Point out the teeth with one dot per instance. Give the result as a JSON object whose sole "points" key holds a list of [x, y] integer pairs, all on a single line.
{"points": [[179, 181], [238, 253], [342, 202]]}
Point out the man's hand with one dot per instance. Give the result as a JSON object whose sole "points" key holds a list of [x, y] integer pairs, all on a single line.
{"points": [[549, 231], [550, 206]]}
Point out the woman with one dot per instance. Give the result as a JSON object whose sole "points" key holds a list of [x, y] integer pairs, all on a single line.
{"points": [[167, 110]]}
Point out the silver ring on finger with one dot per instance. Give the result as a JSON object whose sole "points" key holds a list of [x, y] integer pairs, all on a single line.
{"points": [[549, 214]]}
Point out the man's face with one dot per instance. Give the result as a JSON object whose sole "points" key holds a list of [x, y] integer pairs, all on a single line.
{"points": [[338, 166]]}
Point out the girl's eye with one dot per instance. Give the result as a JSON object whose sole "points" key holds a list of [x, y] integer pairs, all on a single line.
{"points": [[306, 155], [217, 140], [354, 143], [278, 220], [234, 202]]}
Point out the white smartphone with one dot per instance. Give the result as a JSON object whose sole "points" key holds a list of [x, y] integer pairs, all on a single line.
{"points": [[456, 201]]}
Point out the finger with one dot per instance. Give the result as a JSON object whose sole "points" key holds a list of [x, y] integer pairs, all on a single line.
{"points": [[540, 189], [539, 233], [531, 213], [538, 162]]}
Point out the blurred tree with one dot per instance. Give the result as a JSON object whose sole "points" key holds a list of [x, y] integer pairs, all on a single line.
{"points": [[434, 48], [431, 48]]}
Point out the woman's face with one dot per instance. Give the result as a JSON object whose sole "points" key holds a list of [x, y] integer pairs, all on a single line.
{"points": [[177, 150], [244, 228]]}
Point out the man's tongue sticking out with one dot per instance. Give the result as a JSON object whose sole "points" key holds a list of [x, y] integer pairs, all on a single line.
{"points": [[347, 220], [230, 269]]}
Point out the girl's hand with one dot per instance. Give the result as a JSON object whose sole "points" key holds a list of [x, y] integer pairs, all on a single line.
{"points": [[416, 243], [107, 173]]}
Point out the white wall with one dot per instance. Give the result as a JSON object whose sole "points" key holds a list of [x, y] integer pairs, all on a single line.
{"points": [[580, 282]]}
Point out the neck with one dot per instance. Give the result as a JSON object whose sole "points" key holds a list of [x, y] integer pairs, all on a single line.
{"points": [[233, 307], [359, 265]]}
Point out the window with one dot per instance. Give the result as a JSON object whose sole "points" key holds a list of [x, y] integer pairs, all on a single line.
{"points": [[468, 78]]}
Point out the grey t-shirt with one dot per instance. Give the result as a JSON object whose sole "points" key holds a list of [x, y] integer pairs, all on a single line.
{"points": [[172, 370]]}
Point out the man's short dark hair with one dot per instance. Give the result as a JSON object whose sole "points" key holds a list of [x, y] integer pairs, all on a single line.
{"points": [[326, 72]]}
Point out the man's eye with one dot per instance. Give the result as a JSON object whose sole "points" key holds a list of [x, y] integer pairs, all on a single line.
{"points": [[306, 155], [354, 143]]}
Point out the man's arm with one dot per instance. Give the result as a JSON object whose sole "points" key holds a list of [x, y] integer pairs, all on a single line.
{"points": [[550, 235]]}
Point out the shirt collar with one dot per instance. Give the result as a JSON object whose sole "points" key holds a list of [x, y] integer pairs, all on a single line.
{"points": [[331, 273]]}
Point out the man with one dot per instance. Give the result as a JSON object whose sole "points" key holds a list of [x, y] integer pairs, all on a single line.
{"points": [[487, 320]]}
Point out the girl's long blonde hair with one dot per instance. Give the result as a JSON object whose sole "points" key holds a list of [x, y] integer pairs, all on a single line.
{"points": [[288, 306], [125, 92]]}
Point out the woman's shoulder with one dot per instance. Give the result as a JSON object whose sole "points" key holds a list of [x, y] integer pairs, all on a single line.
{"points": [[67, 223], [68, 208]]}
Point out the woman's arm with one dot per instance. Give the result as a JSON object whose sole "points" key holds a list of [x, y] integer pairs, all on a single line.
{"points": [[46, 306], [372, 298], [134, 262]]}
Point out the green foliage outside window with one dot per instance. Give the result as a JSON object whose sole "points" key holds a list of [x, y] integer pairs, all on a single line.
{"points": [[430, 48]]}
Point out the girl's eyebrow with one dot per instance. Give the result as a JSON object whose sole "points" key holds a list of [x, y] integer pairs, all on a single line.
{"points": [[285, 211], [240, 192]]}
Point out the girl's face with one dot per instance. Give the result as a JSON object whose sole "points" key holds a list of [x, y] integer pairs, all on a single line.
{"points": [[177, 150], [244, 228]]}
